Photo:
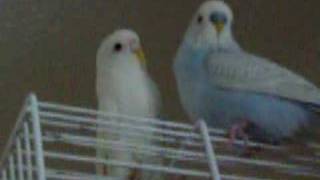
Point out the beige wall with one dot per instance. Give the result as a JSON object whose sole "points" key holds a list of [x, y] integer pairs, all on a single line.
{"points": [[49, 46]]}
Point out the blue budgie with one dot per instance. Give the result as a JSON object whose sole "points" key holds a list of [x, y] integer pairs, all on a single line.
{"points": [[232, 89]]}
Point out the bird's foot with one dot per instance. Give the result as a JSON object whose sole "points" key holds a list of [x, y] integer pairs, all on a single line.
{"points": [[238, 131]]}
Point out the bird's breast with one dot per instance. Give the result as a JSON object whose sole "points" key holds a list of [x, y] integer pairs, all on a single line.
{"points": [[127, 88]]}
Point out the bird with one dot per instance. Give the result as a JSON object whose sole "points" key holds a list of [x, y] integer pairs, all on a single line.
{"points": [[124, 87], [250, 96]]}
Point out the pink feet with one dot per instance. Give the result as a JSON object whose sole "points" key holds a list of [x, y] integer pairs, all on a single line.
{"points": [[238, 130]]}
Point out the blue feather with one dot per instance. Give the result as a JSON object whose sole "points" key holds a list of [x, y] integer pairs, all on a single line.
{"points": [[222, 105], [275, 117]]}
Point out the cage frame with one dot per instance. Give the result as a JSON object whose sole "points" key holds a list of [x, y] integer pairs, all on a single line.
{"points": [[17, 163], [31, 106]]}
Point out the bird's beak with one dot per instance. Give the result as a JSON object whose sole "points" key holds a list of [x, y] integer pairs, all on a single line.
{"points": [[140, 55], [219, 27]]}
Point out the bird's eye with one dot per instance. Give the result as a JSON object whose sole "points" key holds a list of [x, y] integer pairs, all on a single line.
{"points": [[117, 47], [200, 19]]}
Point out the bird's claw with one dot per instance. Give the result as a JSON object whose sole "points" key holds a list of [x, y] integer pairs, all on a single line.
{"points": [[238, 130]]}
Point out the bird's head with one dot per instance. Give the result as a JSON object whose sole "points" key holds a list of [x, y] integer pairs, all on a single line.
{"points": [[123, 43], [211, 25]]}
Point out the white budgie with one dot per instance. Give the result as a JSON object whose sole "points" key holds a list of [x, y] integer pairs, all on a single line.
{"points": [[124, 87]]}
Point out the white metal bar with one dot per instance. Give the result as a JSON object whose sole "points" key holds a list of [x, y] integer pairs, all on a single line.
{"points": [[127, 146], [220, 158], [11, 140], [314, 173], [220, 139], [168, 139], [71, 175], [111, 143], [19, 159], [151, 148], [112, 131], [162, 131], [169, 132], [168, 124], [12, 168], [212, 161], [181, 148], [146, 167], [4, 174], [27, 145], [132, 165], [306, 159], [163, 123], [242, 160], [121, 116], [67, 175], [37, 135], [106, 123], [257, 162], [234, 177], [197, 155]]}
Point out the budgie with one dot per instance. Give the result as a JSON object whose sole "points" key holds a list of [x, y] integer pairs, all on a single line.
{"points": [[124, 87], [250, 96]]}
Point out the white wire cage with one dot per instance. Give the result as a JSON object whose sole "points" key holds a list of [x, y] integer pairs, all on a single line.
{"points": [[53, 141]]}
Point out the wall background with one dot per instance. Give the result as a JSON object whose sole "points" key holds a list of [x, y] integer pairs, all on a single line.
{"points": [[49, 47]]}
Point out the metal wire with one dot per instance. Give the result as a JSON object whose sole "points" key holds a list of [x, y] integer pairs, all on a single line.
{"points": [[165, 124], [53, 141], [37, 135], [19, 159], [26, 133], [213, 164], [4, 175]]}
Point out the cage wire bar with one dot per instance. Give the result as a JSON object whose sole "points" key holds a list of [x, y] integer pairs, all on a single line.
{"points": [[54, 141]]}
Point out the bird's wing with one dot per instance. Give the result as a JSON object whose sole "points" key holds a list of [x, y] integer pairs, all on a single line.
{"points": [[245, 72]]}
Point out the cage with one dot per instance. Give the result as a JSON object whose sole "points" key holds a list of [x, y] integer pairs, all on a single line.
{"points": [[41, 40], [55, 141]]}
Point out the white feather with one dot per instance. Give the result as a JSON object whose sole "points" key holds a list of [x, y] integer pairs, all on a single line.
{"points": [[123, 87]]}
